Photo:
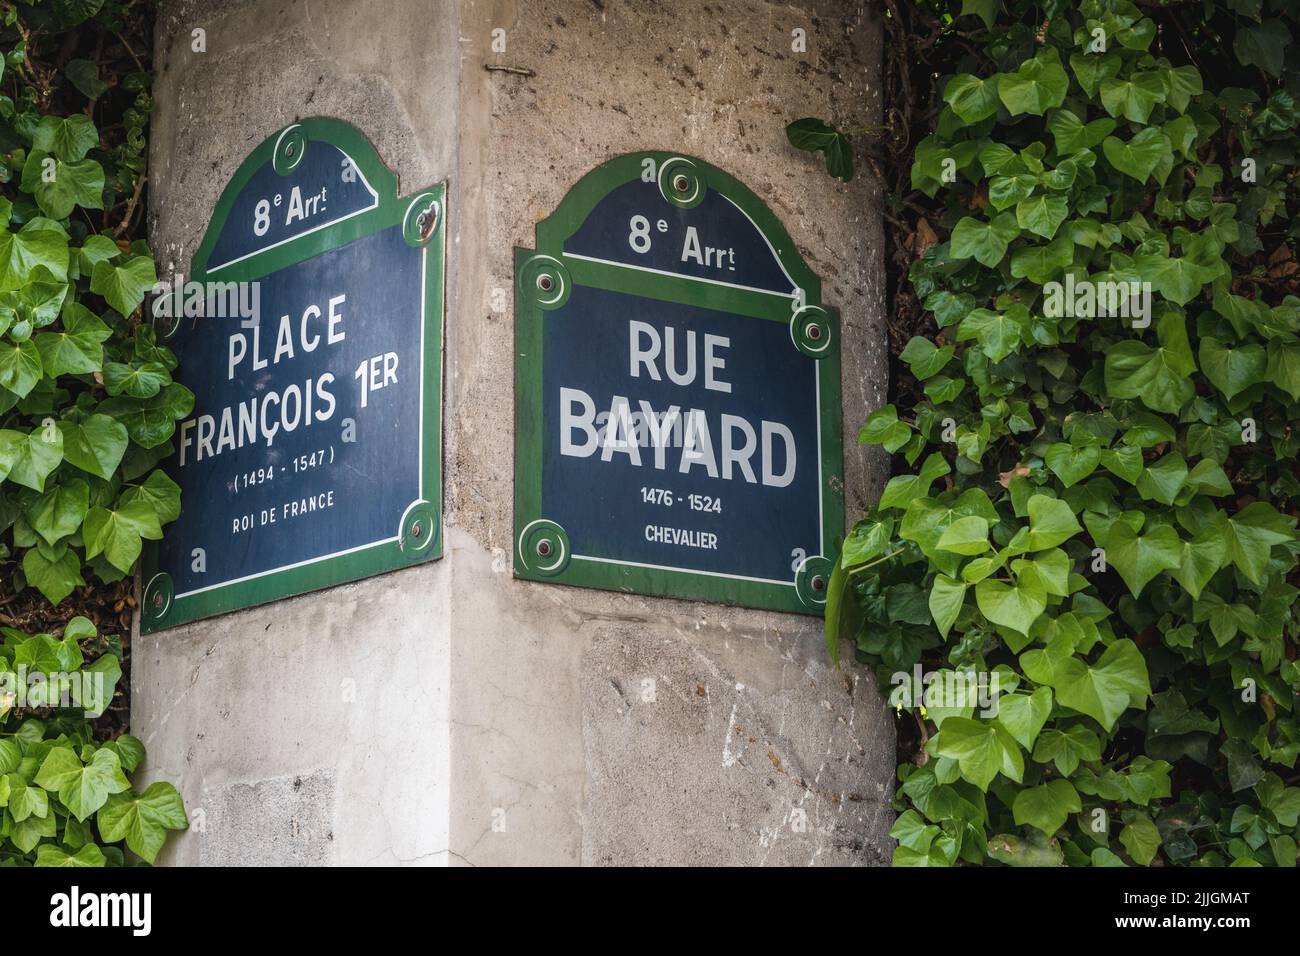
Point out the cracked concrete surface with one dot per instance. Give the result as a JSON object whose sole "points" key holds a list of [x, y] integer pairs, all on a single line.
{"points": [[449, 713]]}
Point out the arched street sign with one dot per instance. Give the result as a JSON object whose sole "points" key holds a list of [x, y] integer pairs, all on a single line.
{"points": [[310, 331], [677, 388]]}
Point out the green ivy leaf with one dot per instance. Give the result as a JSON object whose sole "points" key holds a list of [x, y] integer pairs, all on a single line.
{"points": [[76, 349], [20, 366], [32, 829], [902, 489], [143, 819], [82, 788], [1231, 369], [1072, 135], [1141, 838], [1042, 215], [1066, 748], [95, 445], [59, 511], [1070, 463], [68, 138], [985, 242], [1039, 264], [986, 10], [1123, 462], [1250, 534], [1263, 45], [117, 533], [1051, 523], [1012, 850], [47, 854], [163, 495], [1138, 559], [815, 135], [41, 244], [59, 187], [924, 358], [28, 459], [1184, 83], [998, 333], [1140, 156], [1015, 606], [1104, 857], [84, 75], [1092, 70], [124, 286], [967, 535], [1160, 376], [55, 579], [1177, 279], [946, 598], [1199, 560], [1284, 366], [138, 381], [1036, 86], [882, 427], [982, 749], [1104, 691], [972, 98], [26, 801], [1164, 479], [1046, 807], [1133, 98], [1025, 714]]}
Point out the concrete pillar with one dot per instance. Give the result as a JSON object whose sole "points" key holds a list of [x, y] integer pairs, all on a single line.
{"points": [[450, 713]]}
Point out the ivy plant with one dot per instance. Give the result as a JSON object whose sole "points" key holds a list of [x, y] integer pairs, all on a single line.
{"points": [[87, 402], [65, 797], [1095, 512]]}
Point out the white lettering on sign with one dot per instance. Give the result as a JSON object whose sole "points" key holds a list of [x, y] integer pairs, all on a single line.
{"points": [[725, 448], [707, 256], [646, 345], [299, 208], [264, 416]]}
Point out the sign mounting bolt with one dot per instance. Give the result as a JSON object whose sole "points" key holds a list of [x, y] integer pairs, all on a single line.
{"points": [[544, 548], [545, 282], [425, 223], [818, 583]]}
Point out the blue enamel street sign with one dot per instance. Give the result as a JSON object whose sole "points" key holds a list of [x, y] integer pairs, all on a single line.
{"points": [[677, 394], [310, 332]]}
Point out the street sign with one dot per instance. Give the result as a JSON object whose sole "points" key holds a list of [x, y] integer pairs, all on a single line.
{"points": [[310, 331], [677, 388]]}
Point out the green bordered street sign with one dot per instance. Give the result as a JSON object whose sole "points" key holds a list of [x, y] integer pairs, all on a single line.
{"points": [[310, 331], [677, 388]]}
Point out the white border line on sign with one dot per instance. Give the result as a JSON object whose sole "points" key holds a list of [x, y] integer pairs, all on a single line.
{"points": [[661, 567], [770, 247], [793, 294], [374, 204]]}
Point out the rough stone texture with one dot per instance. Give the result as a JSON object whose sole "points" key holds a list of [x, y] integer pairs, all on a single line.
{"points": [[501, 721], [793, 782], [252, 822]]}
